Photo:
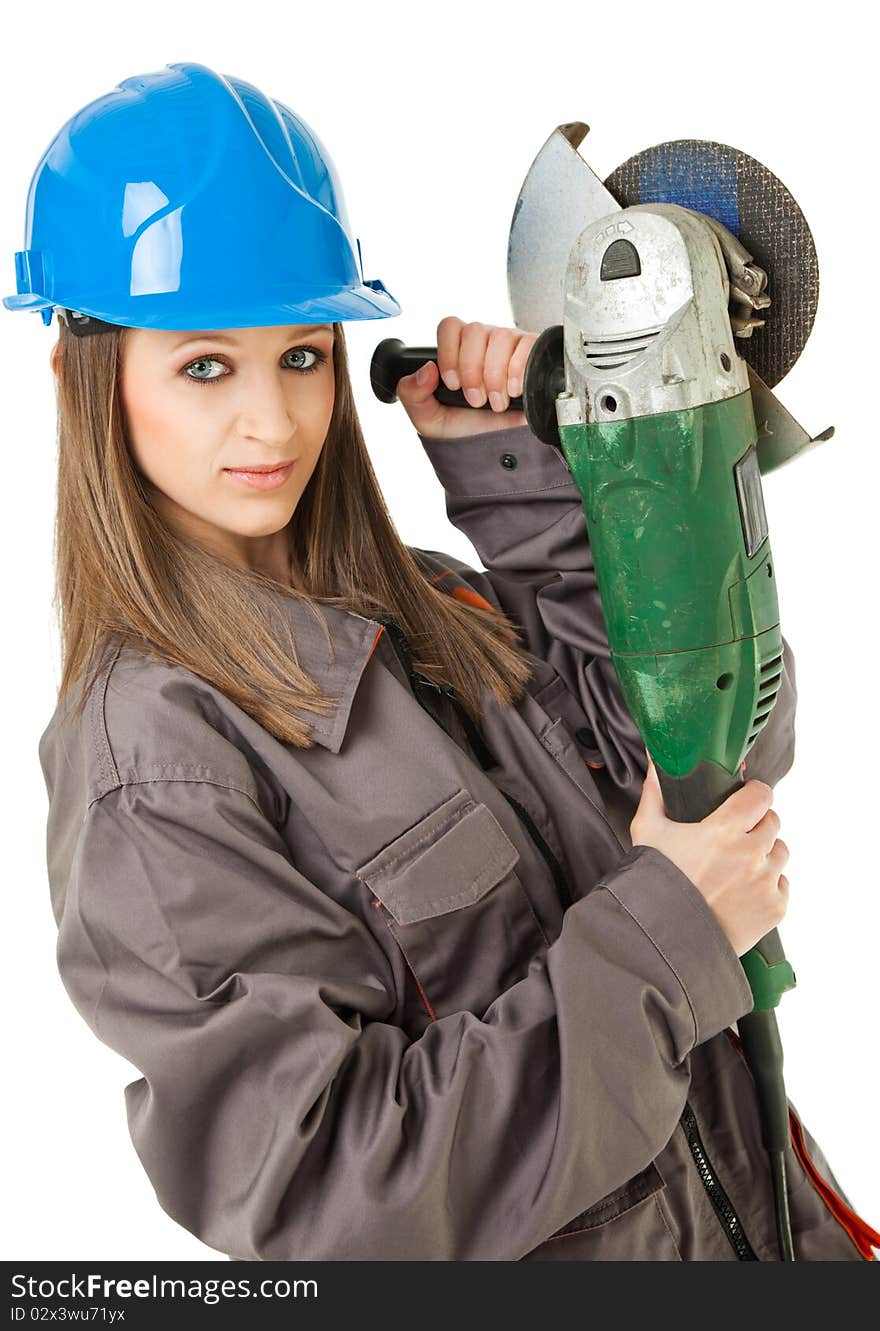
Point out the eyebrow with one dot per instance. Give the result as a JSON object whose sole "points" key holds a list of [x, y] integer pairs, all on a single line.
{"points": [[302, 331]]}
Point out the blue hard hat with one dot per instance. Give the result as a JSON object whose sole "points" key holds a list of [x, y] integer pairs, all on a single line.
{"points": [[189, 199]]}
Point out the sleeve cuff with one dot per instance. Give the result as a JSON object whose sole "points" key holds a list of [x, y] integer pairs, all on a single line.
{"points": [[498, 462], [675, 915]]}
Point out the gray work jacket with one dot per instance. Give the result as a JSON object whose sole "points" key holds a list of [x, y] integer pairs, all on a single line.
{"points": [[412, 994]]}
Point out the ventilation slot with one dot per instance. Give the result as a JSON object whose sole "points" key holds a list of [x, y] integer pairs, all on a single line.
{"points": [[609, 353], [768, 687]]}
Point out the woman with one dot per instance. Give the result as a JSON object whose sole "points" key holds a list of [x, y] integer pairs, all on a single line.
{"points": [[345, 840]]}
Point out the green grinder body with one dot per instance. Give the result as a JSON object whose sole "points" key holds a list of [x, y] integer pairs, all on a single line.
{"points": [[678, 532]]}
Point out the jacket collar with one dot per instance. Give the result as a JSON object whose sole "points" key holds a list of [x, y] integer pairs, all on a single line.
{"points": [[335, 665], [353, 640]]}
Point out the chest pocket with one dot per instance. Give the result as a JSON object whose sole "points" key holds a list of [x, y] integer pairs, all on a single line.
{"points": [[450, 894]]}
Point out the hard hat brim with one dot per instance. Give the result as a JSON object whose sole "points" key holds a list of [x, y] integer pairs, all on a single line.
{"points": [[370, 300]]}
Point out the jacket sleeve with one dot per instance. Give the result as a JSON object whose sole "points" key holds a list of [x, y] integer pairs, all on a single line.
{"points": [[281, 1114], [515, 500]]}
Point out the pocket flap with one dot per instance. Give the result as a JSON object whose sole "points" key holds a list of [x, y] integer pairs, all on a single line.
{"points": [[449, 859]]}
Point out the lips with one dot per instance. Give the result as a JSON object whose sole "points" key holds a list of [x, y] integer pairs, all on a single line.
{"points": [[262, 469], [266, 479]]}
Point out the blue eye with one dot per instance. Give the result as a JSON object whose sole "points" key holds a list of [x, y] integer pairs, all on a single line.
{"points": [[319, 358]]}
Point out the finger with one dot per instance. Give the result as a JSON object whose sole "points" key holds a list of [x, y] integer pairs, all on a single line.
{"points": [[516, 370], [779, 855], [499, 350], [652, 794], [448, 344], [766, 830], [471, 359]]}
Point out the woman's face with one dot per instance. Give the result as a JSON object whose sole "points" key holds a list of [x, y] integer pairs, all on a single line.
{"points": [[200, 405]]}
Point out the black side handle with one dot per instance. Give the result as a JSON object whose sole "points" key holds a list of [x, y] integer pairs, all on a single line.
{"points": [[392, 360]]}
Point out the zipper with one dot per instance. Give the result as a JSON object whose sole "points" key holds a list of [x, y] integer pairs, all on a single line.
{"points": [[482, 753], [730, 1221]]}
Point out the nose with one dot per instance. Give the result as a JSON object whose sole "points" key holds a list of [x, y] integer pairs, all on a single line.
{"points": [[268, 412]]}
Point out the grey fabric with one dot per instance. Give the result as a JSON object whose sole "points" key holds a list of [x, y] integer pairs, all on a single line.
{"points": [[367, 1026]]}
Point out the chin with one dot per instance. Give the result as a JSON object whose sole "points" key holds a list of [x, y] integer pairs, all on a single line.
{"points": [[268, 524]]}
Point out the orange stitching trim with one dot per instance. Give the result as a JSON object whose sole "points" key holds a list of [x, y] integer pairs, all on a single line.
{"points": [[412, 970], [430, 1010], [470, 597], [466, 594], [375, 643]]}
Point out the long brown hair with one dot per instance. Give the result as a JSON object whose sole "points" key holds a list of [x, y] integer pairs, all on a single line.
{"points": [[122, 573]]}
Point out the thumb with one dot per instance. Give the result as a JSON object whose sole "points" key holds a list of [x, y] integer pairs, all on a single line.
{"points": [[651, 801], [416, 394]]}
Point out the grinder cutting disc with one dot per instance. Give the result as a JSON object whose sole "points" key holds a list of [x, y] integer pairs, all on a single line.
{"points": [[755, 206]]}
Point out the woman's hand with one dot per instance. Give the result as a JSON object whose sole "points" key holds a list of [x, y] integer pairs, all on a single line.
{"points": [[486, 361], [733, 857]]}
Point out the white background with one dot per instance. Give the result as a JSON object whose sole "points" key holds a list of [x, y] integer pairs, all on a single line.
{"points": [[433, 114]]}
